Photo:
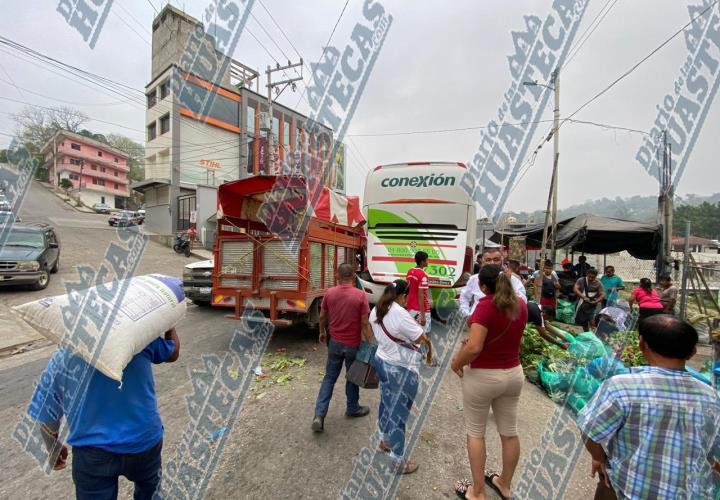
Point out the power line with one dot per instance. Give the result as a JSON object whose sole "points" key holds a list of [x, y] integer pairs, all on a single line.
{"points": [[581, 41], [142, 25], [636, 65], [327, 44], [280, 28], [153, 7], [128, 25]]}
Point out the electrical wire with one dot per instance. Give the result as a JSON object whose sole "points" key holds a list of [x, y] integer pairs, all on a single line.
{"points": [[575, 49], [637, 65]]}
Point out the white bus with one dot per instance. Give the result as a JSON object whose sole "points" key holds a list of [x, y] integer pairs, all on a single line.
{"points": [[418, 206]]}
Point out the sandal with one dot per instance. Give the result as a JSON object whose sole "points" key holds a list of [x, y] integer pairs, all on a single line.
{"points": [[489, 476], [405, 467], [384, 447], [461, 487]]}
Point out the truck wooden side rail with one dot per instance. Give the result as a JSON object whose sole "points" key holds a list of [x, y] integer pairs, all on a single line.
{"points": [[285, 274]]}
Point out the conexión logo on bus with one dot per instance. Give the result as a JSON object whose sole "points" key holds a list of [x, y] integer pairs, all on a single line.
{"points": [[419, 181]]}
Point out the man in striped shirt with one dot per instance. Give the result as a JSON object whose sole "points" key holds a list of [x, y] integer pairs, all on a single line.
{"points": [[655, 432]]}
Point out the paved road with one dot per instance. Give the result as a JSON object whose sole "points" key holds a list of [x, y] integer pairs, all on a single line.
{"points": [[270, 452]]}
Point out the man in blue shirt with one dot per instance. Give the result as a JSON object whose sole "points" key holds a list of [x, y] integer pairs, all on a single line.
{"points": [[612, 284], [115, 429]]}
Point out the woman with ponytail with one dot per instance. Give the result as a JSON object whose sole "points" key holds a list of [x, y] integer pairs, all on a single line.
{"points": [[647, 300], [397, 362], [489, 367]]}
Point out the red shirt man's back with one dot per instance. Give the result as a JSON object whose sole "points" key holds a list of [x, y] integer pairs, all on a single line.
{"points": [[418, 280], [345, 305]]}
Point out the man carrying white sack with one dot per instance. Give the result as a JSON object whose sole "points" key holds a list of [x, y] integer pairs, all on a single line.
{"points": [[116, 430]]}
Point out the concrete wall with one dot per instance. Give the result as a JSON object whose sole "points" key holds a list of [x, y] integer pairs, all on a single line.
{"points": [[171, 30], [206, 206], [199, 141], [157, 219]]}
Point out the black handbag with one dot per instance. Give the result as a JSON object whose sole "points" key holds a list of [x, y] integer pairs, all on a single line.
{"points": [[361, 372]]}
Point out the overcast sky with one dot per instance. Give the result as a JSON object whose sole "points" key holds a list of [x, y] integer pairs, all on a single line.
{"points": [[443, 65]]}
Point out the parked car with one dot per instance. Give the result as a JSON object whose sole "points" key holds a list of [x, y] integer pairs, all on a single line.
{"points": [[124, 218], [7, 216], [30, 253], [197, 282], [140, 216], [101, 208]]}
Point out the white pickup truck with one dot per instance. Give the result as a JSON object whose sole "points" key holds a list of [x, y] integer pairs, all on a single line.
{"points": [[197, 282]]}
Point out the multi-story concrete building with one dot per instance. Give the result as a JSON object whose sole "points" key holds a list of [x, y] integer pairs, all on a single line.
{"points": [[99, 173], [191, 147]]}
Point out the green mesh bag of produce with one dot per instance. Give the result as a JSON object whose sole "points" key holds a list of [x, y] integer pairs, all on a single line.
{"points": [[587, 346], [565, 312], [552, 381], [585, 384], [576, 402]]}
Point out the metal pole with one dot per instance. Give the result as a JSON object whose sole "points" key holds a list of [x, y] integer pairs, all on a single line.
{"points": [[686, 261], [556, 156], [268, 153]]}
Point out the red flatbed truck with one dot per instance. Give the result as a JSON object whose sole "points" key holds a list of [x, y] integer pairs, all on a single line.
{"points": [[285, 275]]}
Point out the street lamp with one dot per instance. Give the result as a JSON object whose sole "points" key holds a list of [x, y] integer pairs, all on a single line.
{"points": [[555, 87]]}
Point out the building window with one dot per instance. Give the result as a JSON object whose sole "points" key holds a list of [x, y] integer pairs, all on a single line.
{"points": [[116, 174], [151, 131], [251, 118], [286, 134], [94, 167], [99, 153], [164, 89], [115, 160], [99, 182], [75, 146], [73, 161], [116, 186], [165, 124], [102, 169], [74, 177], [151, 100]]}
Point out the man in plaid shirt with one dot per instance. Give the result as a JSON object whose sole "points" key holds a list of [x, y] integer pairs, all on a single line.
{"points": [[655, 432]]}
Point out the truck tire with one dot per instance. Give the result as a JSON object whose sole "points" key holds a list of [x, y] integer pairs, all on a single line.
{"points": [[312, 318]]}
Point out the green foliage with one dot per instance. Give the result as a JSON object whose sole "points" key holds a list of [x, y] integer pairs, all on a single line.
{"points": [[66, 184], [704, 219], [3, 156]]}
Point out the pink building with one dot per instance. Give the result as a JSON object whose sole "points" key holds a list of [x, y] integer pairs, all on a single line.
{"points": [[99, 173]]}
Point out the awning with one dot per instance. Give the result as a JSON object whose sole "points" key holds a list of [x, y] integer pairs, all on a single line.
{"points": [[594, 234], [600, 235]]}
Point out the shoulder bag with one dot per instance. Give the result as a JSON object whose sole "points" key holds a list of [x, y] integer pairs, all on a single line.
{"points": [[361, 372]]}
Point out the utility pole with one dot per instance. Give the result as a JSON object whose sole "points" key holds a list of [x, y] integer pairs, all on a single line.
{"points": [[665, 207], [551, 212], [556, 159], [274, 85], [686, 263]]}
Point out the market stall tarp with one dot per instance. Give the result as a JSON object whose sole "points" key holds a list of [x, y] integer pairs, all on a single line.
{"points": [[602, 235]]}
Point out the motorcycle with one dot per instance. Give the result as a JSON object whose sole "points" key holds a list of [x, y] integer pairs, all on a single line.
{"points": [[182, 244]]}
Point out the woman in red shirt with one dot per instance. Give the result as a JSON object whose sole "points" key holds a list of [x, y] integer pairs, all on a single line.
{"points": [[647, 300], [494, 378]]}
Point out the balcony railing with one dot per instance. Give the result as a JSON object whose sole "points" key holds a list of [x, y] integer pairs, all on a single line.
{"points": [[90, 158], [92, 173]]}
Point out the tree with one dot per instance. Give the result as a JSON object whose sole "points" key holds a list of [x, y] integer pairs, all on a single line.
{"points": [[3, 156], [704, 220], [37, 125], [135, 152], [66, 184], [97, 137]]}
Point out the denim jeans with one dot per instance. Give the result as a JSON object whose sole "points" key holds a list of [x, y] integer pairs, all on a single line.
{"points": [[337, 355], [95, 472], [398, 388]]}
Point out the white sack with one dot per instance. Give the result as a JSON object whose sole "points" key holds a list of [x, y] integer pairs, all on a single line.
{"points": [[149, 306]]}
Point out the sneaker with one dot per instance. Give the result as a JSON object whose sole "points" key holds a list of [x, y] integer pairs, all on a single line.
{"points": [[361, 412], [318, 424]]}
